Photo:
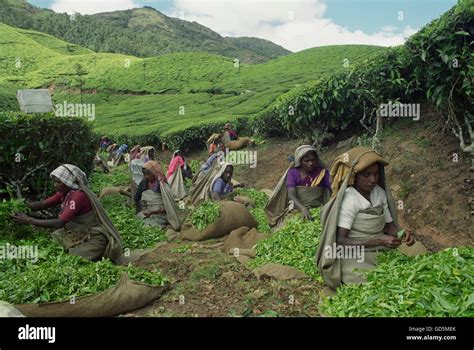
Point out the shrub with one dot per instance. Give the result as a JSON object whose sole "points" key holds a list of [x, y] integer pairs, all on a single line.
{"points": [[34, 145]]}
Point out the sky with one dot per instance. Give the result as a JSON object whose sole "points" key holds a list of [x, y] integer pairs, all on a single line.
{"points": [[294, 24]]}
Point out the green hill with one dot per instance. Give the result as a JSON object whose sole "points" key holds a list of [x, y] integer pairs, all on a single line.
{"points": [[141, 32], [156, 98]]}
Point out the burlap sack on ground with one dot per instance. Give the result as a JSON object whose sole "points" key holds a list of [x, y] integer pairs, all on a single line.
{"points": [[126, 296], [416, 249], [241, 241], [233, 215], [235, 183], [240, 143], [279, 272], [172, 235], [8, 310], [110, 191], [245, 200]]}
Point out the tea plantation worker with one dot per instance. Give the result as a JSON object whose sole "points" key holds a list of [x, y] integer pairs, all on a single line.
{"points": [[178, 170], [231, 132], [201, 183], [216, 146], [104, 143], [111, 150], [118, 156], [210, 161], [154, 201], [135, 152], [360, 215], [148, 153], [121, 150], [304, 185], [178, 161], [221, 186], [139, 159], [101, 163], [83, 227]]}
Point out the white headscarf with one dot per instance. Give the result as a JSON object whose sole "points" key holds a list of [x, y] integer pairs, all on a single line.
{"points": [[301, 151], [68, 175]]}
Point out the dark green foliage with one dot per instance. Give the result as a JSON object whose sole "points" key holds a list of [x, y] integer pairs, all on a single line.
{"points": [[34, 145], [425, 67], [57, 276], [8, 207], [179, 98]]}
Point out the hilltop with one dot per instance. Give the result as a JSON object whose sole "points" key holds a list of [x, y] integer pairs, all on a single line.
{"points": [[141, 32]]}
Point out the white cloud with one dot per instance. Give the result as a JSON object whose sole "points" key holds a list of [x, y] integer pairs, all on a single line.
{"points": [[92, 6], [293, 24]]}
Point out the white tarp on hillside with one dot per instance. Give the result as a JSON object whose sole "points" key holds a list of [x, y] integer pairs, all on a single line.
{"points": [[34, 100]]}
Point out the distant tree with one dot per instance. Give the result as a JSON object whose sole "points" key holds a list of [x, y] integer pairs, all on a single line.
{"points": [[80, 72]]}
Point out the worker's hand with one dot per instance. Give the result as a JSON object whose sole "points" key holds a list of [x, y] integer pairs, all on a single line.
{"points": [[408, 238], [21, 218], [389, 241], [306, 214]]}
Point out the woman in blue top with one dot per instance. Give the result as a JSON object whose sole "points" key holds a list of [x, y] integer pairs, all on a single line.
{"points": [[222, 186]]}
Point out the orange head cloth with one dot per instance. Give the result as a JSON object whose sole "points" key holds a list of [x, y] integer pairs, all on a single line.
{"points": [[359, 157]]}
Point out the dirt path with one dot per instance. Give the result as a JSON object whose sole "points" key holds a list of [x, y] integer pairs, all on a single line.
{"points": [[207, 283]]}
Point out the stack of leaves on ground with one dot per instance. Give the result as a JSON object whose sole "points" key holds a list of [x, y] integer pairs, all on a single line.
{"points": [[434, 285], [205, 214], [57, 276], [135, 234], [295, 245], [258, 212]]}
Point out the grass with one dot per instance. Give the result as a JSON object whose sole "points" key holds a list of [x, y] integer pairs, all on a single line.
{"points": [[423, 142], [405, 188], [208, 272]]}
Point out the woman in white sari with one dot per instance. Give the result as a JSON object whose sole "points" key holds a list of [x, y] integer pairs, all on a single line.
{"points": [[360, 219]]}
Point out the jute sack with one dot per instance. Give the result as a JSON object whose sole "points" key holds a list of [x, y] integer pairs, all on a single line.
{"points": [[232, 216], [7, 310], [127, 295], [110, 191], [240, 143], [241, 240]]}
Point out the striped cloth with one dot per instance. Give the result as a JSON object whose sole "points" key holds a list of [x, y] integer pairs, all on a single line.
{"points": [[69, 176]]}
